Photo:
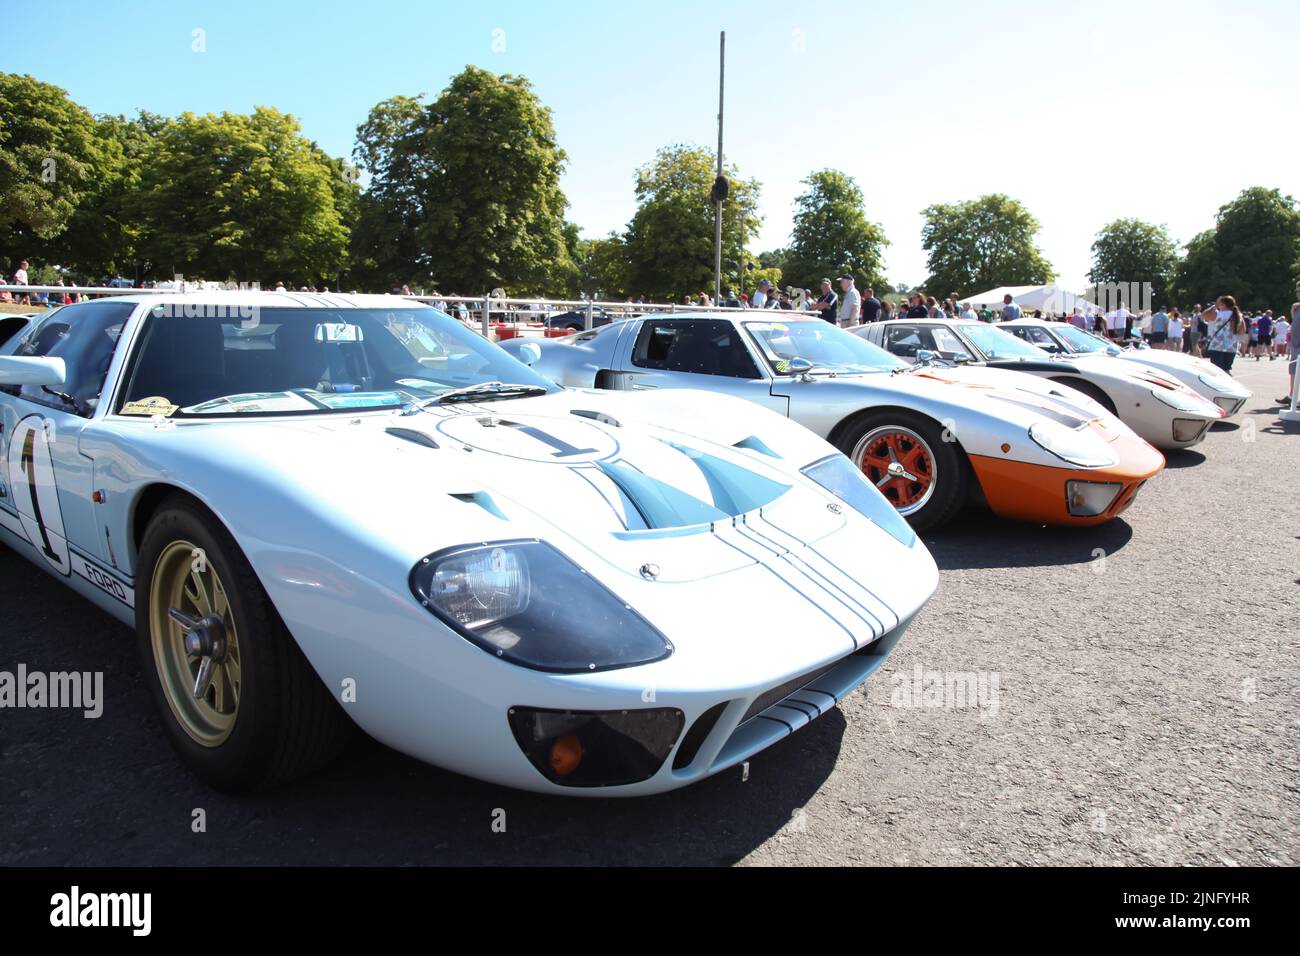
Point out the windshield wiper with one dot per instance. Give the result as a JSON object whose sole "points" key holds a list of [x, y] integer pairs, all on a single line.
{"points": [[482, 392], [63, 397]]}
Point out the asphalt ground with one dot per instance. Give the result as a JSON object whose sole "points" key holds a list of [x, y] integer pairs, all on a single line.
{"points": [[1129, 695]]}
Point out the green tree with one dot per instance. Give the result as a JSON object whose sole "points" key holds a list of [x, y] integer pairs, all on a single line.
{"points": [[603, 267], [670, 238], [49, 159], [1130, 250], [102, 234], [465, 191], [1252, 253], [243, 197], [981, 244], [831, 234]]}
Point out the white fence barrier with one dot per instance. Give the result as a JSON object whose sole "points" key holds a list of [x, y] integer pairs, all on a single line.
{"points": [[496, 317]]}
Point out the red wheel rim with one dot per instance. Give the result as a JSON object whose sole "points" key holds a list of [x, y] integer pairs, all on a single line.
{"points": [[900, 464]]}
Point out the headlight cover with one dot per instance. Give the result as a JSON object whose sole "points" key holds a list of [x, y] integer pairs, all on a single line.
{"points": [[1224, 383], [837, 475], [1177, 399], [527, 603], [1078, 447]]}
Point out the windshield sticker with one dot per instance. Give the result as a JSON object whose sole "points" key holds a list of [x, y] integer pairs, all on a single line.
{"points": [[156, 405]]}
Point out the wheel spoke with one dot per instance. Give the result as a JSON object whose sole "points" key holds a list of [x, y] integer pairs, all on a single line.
{"points": [[220, 604], [231, 673]]}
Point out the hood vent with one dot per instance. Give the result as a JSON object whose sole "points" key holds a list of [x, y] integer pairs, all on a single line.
{"points": [[414, 436], [483, 500], [596, 417], [754, 443]]}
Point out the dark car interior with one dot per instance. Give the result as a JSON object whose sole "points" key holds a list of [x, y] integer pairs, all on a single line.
{"points": [[701, 347]]}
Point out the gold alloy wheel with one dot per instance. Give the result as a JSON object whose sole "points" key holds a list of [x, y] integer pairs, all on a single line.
{"points": [[195, 645]]}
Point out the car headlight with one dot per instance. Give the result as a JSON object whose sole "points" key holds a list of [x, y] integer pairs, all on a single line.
{"points": [[1175, 398], [837, 475], [527, 603], [1078, 447], [1087, 499]]}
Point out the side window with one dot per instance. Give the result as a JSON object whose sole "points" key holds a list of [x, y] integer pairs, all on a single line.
{"points": [[84, 336], [699, 347], [905, 340]]}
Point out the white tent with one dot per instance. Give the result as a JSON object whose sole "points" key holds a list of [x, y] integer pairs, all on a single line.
{"points": [[1051, 299]]}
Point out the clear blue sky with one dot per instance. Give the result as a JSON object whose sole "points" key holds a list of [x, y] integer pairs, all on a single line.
{"points": [[1085, 111]]}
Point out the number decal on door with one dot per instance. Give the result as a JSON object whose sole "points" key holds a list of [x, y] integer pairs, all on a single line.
{"points": [[30, 468]]}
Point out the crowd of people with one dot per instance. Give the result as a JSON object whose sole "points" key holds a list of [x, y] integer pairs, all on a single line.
{"points": [[1221, 333]]}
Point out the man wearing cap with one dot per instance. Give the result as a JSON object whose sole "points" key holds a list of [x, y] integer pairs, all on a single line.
{"points": [[828, 302], [850, 302]]}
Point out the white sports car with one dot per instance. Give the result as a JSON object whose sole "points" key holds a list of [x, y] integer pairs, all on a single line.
{"points": [[1159, 408], [320, 509], [1198, 374]]}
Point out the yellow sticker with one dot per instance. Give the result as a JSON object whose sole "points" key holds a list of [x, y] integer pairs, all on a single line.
{"points": [[157, 405]]}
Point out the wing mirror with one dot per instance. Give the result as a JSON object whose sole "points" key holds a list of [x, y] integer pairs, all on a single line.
{"points": [[801, 369], [925, 356], [24, 370], [530, 353]]}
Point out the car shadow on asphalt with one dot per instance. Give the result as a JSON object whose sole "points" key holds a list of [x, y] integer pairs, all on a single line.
{"points": [[977, 539], [110, 791], [1183, 458]]}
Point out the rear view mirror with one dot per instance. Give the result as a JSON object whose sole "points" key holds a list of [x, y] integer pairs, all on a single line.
{"points": [[23, 370], [338, 333]]}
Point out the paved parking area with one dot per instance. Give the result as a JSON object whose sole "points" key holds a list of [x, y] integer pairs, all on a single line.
{"points": [[1129, 696]]}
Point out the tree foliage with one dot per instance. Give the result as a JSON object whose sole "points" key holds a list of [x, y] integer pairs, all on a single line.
{"points": [[981, 244], [235, 196], [603, 267], [50, 158], [670, 240], [1252, 253], [1130, 250], [832, 235], [465, 191]]}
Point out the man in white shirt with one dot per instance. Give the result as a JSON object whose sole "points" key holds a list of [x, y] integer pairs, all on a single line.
{"points": [[759, 298], [1122, 318], [850, 303]]}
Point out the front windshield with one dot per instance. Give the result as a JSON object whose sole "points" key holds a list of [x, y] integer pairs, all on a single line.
{"points": [[998, 344], [1080, 341], [199, 362], [828, 347]]}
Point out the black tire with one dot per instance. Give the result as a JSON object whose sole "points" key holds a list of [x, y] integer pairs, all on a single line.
{"points": [[286, 723], [1092, 391], [948, 469]]}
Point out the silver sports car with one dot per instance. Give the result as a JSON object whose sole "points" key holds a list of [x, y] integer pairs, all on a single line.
{"points": [[930, 436]]}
